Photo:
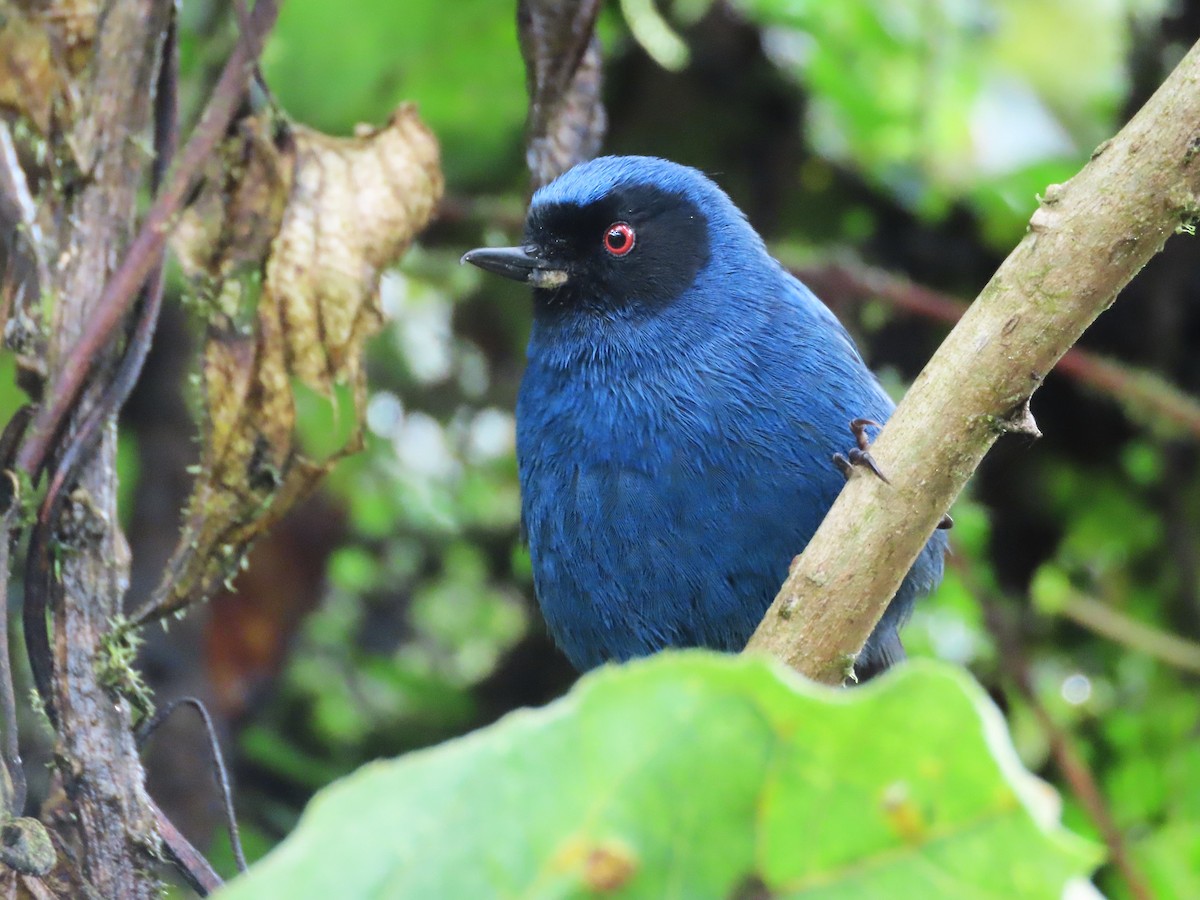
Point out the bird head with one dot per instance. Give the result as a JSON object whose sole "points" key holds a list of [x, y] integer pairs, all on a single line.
{"points": [[622, 232]]}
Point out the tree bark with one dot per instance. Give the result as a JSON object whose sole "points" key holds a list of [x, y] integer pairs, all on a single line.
{"points": [[105, 800], [1087, 239]]}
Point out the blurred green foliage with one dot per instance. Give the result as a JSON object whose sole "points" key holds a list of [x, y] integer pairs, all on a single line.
{"points": [[921, 130], [473, 96], [940, 101]]}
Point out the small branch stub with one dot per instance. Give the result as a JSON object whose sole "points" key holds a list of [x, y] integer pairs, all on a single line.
{"points": [[1021, 421]]}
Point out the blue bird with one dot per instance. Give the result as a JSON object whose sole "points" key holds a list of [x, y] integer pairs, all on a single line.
{"points": [[683, 398]]}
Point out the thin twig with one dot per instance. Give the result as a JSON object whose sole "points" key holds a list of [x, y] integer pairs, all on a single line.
{"points": [[1129, 632], [1147, 393], [18, 209], [188, 861], [1071, 764], [121, 290], [242, 13], [220, 773], [166, 114], [14, 800]]}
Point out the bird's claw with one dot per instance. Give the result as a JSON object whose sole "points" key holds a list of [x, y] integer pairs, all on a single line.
{"points": [[860, 455], [864, 458], [858, 428], [844, 465]]}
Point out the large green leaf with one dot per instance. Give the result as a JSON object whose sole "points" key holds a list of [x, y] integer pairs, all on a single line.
{"points": [[696, 775]]}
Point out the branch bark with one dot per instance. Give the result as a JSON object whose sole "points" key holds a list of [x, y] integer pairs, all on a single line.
{"points": [[104, 802], [1085, 242]]}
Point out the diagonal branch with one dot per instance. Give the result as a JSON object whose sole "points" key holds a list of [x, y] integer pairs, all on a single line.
{"points": [[1115, 625], [1088, 238], [1071, 763], [122, 289]]}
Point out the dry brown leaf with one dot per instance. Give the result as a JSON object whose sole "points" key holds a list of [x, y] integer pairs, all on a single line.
{"points": [[288, 239]]}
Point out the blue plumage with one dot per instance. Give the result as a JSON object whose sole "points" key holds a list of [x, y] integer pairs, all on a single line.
{"points": [[683, 397]]}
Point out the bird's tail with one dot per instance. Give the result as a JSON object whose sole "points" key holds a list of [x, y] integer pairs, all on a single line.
{"points": [[881, 653]]}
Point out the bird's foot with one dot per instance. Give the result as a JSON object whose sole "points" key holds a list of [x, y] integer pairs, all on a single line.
{"points": [[859, 455]]}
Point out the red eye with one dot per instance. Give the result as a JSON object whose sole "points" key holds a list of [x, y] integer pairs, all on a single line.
{"points": [[619, 238]]}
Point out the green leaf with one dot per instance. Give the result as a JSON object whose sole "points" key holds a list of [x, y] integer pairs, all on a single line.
{"points": [[697, 775]]}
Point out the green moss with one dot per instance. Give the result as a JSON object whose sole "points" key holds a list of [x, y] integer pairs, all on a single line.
{"points": [[115, 668]]}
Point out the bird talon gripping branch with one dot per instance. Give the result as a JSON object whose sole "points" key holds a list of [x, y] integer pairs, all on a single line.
{"points": [[681, 394], [843, 465], [861, 454]]}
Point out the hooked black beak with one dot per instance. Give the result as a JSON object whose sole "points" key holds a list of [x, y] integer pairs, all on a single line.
{"points": [[518, 264]]}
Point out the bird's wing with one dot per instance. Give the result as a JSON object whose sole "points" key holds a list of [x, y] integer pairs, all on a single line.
{"points": [[811, 306]]}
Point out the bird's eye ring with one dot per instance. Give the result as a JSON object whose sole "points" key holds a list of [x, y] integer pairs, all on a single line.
{"points": [[619, 239]]}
